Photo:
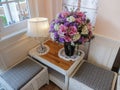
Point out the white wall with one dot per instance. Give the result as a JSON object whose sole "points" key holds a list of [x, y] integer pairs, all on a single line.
{"points": [[108, 19]]}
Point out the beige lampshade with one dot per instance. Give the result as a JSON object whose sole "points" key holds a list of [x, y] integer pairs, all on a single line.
{"points": [[38, 27]]}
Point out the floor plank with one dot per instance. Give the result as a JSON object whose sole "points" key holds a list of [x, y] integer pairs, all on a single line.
{"points": [[51, 86]]}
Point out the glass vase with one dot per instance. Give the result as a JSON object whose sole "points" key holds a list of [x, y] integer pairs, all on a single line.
{"points": [[69, 49]]}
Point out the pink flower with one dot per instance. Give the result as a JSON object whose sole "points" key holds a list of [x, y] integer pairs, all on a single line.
{"points": [[78, 20], [72, 30], [62, 30], [80, 14], [64, 14], [67, 39]]}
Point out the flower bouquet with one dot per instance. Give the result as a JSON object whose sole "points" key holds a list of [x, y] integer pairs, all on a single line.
{"points": [[71, 28]]}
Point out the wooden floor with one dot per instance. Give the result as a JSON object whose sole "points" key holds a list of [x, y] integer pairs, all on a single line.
{"points": [[51, 86]]}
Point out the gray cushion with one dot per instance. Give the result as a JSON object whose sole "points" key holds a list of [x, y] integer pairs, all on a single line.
{"points": [[20, 74], [94, 77]]}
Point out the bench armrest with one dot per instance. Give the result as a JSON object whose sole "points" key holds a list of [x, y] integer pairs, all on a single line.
{"points": [[4, 85], [119, 71], [118, 83]]}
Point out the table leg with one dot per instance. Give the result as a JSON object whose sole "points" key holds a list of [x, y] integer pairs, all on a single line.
{"points": [[66, 83]]}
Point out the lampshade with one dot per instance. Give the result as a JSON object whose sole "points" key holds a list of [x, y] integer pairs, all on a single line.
{"points": [[38, 27]]}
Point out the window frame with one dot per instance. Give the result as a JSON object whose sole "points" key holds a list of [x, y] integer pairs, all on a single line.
{"points": [[19, 27], [82, 5]]}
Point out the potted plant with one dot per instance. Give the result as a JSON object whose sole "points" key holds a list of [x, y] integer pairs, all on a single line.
{"points": [[71, 29]]}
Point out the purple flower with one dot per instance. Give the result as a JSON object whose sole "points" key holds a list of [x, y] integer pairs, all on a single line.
{"points": [[56, 35], [61, 40], [64, 14], [66, 24]]}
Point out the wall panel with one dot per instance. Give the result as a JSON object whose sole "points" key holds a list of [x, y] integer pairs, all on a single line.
{"points": [[103, 51], [12, 50]]}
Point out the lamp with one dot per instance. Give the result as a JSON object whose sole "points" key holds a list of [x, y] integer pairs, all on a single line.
{"points": [[38, 27]]}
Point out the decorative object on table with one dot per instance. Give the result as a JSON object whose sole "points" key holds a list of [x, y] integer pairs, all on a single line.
{"points": [[39, 28], [72, 29], [74, 57], [68, 48]]}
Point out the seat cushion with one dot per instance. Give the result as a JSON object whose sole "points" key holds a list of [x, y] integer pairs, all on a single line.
{"points": [[20, 74], [94, 77]]}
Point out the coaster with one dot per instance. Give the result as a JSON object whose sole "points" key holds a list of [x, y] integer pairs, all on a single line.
{"points": [[77, 55], [45, 50], [34, 50]]}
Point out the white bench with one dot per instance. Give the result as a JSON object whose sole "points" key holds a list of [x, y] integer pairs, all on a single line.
{"points": [[91, 77], [118, 81], [27, 75]]}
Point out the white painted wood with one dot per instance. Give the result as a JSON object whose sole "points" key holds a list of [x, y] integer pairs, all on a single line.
{"points": [[103, 51], [72, 68], [35, 54], [2, 64], [57, 78], [118, 83], [34, 84], [13, 49], [13, 28], [16, 52], [76, 85], [66, 73], [13, 34], [119, 71], [39, 80], [12, 40]]}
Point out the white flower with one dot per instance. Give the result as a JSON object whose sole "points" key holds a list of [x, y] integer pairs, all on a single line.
{"points": [[56, 27], [52, 36], [71, 19], [85, 30], [72, 43], [57, 16], [76, 36]]}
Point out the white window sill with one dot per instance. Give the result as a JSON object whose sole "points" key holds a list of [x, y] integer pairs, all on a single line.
{"points": [[13, 29], [13, 34]]}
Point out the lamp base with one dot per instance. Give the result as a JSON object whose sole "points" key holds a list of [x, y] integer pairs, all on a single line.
{"points": [[42, 49]]}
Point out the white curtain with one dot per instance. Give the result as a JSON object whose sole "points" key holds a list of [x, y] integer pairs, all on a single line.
{"points": [[48, 8]]}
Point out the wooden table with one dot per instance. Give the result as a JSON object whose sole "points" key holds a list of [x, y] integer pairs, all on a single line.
{"points": [[59, 69]]}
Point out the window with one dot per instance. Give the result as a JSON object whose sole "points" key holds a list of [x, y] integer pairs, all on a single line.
{"points": [[13, 11], [87, 6]]}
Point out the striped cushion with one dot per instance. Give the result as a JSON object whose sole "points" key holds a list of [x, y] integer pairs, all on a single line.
{"points": [[94, 77], [20, 74]]}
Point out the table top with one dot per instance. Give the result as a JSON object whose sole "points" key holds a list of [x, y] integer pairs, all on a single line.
{"points": [[52, 55]]}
